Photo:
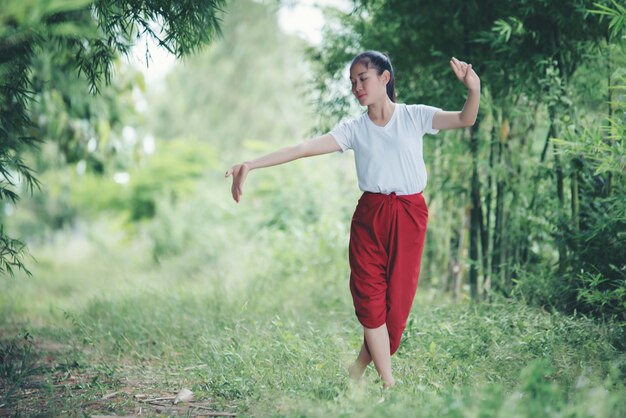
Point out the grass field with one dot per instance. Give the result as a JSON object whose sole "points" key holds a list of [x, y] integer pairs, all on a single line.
{"points": [[101, 331]]}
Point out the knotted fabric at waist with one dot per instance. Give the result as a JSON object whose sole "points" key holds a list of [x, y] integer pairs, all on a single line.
{"points": [[392, 197]]}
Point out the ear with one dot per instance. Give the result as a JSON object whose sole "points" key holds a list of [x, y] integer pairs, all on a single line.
{"points": [[387, 76]]}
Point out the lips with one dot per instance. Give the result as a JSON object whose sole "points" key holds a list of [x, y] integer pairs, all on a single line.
{"points": [[361, 95]]}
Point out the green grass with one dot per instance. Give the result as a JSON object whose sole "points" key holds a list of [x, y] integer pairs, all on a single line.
{"points": [[273, 336], [500, 359]]}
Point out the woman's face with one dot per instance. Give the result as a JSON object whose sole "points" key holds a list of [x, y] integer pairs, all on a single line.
{"points": [[367, 86]]}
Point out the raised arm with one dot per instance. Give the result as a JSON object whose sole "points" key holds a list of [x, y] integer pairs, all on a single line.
{"points": [[321, 145], [467, 116]]}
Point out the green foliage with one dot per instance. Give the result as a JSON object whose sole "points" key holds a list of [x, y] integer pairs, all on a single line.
{"points": [[617, 13], [248, 304], [545, 68], [602, 294], [90, 195], [598, 249], [88, 36], [11, 254], [593, 231], [273, 344], [22, 27], [248, 86], [83, 127], [18, 363], [173, 170], [73, 196]]}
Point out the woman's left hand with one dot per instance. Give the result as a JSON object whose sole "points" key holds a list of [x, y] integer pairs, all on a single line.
{"points": [[465, 73]]}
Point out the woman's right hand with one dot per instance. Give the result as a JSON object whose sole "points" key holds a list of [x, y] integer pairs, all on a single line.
{"points": [[239, 173]]}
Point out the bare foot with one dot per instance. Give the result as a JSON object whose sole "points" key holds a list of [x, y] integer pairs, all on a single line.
{"points": [[356, 370], [387, 385]]}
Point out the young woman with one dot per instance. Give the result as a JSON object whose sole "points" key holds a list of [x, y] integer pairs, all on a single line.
{"points": [[389, 223]]}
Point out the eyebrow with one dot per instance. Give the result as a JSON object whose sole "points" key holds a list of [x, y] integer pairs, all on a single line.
{"points": [[360, 73]]}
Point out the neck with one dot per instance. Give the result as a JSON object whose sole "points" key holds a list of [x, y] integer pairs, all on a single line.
{"points": [[381, 111]]}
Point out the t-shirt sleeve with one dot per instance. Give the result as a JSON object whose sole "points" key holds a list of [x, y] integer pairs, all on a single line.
{"points": [[423, 115], [344, 134]]}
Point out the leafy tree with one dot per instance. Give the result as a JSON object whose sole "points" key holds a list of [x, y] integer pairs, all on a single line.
{"points": [[594, 157], [89, 35], [247, 88], [527, 54]]}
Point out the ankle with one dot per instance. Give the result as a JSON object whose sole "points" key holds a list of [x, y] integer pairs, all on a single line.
{"points": [[388, 383], [355, 370]]}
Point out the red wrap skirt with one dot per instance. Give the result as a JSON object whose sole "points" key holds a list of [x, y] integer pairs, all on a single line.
{"points": [[386, 241]]}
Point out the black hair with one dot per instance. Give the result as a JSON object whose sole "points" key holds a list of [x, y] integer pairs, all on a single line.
{"points": [[381, 62]]}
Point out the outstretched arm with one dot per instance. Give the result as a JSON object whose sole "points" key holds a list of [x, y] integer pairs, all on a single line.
{"points": [[467, 116], [321, 145]]}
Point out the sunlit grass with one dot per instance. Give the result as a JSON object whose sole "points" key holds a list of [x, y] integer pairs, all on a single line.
{"points": [[249, 307], [280, 345]]}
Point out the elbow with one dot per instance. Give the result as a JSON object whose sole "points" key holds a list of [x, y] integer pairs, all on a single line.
{"points": [[469, 124], [465, 122]]}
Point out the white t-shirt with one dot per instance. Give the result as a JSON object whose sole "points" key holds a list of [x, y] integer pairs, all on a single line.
{"points": [[389, 159]]}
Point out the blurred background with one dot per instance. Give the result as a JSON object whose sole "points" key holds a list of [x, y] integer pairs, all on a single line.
{"points": [[129, 144], [133, 195], [529, 201]]}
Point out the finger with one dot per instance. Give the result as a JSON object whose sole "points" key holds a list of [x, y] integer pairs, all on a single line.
{"points": [[455, 68], [458, 69]]}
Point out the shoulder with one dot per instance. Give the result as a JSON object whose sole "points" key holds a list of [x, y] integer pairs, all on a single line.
{"points": [[346, 132], [422, 108], [417, 107], [350, 122], [421, 111], [410, 109]]}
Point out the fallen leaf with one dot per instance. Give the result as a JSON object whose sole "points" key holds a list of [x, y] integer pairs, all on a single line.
{"points": [[184, 395]]}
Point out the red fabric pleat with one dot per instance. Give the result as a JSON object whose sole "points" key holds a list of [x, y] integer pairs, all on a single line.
{"points": [[387, 235]]}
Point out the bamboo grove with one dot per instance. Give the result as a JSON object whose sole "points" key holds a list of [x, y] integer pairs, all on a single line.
{"points": [[533, 194]]}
